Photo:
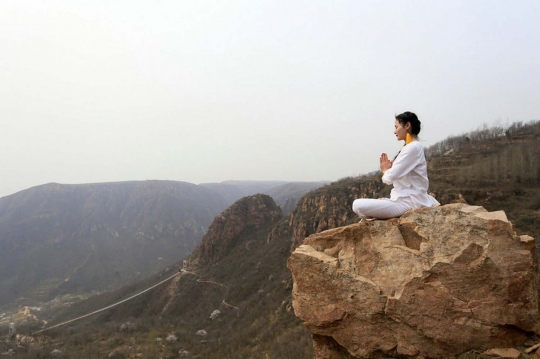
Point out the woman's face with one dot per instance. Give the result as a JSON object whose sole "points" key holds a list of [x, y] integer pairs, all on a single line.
{"points": [[400, 131]]}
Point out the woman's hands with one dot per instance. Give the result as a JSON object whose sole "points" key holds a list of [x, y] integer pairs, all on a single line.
{"points": [[385, 163]]}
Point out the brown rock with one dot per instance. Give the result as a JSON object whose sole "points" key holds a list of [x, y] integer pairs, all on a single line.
{"points": [[531, 349], [436, 282], [502, 353]]}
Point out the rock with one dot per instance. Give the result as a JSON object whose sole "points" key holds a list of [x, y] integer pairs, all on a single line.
{"points": [[330, 207], [531, 349], [436, 282], [171, 338], [25, 340], [202, 333], [56, 353], [215, 314], [120, 352], [127, 326], [503, 353], [249, 212]]}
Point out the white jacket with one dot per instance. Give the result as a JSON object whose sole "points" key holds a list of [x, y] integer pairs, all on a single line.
{"points": [[409, 176]]}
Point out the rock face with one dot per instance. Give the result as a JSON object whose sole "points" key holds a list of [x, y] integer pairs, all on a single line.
{"points": [[330, 206], [248, 213], [436, 283]]}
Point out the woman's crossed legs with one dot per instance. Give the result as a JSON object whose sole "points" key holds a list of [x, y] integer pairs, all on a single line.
{"points": [[381, 208]]}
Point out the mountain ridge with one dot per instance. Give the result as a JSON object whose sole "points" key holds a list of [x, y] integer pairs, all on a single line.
{"points": [[239, 291], [78, 238], [325, 208], [48, 234]]}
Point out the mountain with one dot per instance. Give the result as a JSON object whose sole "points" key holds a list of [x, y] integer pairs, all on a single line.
{"points": [[497, 168], [232, 300], [285, 194], [226, 229], [243, 274], [57, 239]]}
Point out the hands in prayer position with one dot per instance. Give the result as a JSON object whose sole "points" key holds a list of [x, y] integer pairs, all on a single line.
{"points": [[385, 163]]}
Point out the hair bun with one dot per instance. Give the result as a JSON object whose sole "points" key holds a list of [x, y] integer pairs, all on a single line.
{"points": [[410, 117]]}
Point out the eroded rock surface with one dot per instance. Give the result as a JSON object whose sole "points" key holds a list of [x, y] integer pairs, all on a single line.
{"points": [[436, 283], [247, 213]]}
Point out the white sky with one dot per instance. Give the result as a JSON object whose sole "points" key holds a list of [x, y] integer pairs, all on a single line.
{"points": [[206, 91]]}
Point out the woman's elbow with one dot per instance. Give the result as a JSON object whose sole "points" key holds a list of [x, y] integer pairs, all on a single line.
{"points": [[387, 179]]}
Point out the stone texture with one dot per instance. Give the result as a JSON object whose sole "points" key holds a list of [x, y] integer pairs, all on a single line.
{"points": [[501, 353], [436, 282], [531, 349], [248, 213], [330, 207]]}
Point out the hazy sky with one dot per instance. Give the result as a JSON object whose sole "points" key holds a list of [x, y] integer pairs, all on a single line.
{"points": [[205, 91]]}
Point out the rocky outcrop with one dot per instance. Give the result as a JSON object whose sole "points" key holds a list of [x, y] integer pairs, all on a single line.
{"points": [[251, 212], [435, 283], [330, 206]]}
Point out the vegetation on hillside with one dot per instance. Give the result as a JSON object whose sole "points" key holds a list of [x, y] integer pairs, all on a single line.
{"points": [[498, 168], [249, 283], [57, 239], [491, 157]]}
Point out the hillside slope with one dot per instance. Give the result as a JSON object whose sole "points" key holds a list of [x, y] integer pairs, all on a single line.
{"points": [[285, 194], [57, 239], [495, 168], [77, 238], [241, 274], [246, 265]]}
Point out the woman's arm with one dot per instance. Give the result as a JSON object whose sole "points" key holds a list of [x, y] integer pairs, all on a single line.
{"points": [[405, 162]]}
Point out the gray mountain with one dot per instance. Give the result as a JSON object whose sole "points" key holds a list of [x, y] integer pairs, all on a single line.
{"points": [[285, 194], [57, 239], [77, 238], [240, 266]]}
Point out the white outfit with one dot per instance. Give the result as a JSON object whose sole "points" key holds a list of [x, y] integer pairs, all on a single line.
{"points": [[409, 177]]}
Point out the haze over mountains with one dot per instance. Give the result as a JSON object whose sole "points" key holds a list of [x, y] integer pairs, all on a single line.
{"points": [[239, 267], [57, 239]]}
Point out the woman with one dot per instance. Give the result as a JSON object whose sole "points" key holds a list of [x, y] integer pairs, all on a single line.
{"points": [[407, 172]]}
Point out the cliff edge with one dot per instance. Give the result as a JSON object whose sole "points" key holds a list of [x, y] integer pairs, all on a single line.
{"points": [[436, 283]]}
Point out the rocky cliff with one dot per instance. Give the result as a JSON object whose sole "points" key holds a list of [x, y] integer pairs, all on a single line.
{"points": [[247, 213], [235, 288], [330, 206], [436, 283], [57, 239]]}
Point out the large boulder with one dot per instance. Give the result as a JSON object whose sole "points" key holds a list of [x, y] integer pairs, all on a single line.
{"points": [[436, 283]]}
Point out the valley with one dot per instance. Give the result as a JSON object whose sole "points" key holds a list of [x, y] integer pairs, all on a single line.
{"points": [[232, 296]]}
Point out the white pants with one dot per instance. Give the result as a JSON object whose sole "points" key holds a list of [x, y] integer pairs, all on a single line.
{"points": [[382, 208]]}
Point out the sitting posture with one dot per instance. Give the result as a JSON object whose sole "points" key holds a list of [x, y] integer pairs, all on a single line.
{"points": [[407, 172]]}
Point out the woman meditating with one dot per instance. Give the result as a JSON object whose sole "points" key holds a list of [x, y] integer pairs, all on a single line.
{"points": [[407, 172]]}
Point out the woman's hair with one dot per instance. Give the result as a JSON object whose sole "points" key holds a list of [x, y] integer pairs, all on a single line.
{"points": [[412, 119]]}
